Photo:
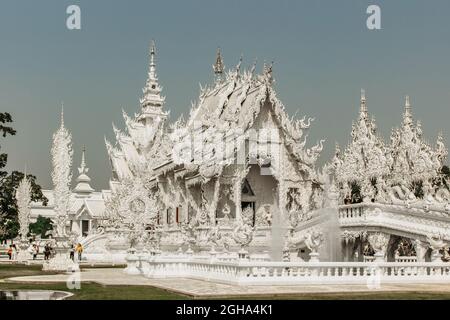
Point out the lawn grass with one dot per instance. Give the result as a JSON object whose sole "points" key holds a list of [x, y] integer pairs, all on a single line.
{"points": [[19, 270], [94, 291], [88, 291]]}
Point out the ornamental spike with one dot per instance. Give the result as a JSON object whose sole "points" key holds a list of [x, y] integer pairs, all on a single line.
{"points": [[62, 114], [83, 158], [407, 116], [363, 106]]}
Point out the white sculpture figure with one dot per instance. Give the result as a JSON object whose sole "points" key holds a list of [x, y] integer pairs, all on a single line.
{"points": [[23, 197], [313, 240], [62, 154], [243, 232], [227, 212], [189, 235], [286, 254], [436, 243], [421, 250], [379, 242], [264, 215], [214, 237]]}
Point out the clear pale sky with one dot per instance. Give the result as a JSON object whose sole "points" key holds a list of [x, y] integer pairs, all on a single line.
{"points": [[322, 50]]}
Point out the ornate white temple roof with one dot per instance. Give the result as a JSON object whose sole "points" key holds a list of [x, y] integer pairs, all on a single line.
{"points": [[94, 203], [412, 157], [233, 104], [83, 187], [408, 161]]}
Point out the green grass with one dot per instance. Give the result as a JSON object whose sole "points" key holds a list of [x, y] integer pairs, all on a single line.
{"points": [[19, 270], [88, 291], [94, 291]]}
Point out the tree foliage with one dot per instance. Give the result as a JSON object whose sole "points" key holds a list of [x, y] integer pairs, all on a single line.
{"points": [[9, 225], [41, 226]]}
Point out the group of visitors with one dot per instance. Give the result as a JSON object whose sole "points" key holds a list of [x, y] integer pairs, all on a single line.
{"points": [[12, 252], [34, 250], [48, 251]]}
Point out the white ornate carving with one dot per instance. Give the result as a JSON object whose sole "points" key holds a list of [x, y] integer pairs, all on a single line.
{"points": [[62, 155], [379, 242], [23, 197]]}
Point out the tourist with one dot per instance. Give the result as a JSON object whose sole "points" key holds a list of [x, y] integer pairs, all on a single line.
{"points": [[31, 249], [10, 251], [72, 253], [35, 251], [79, 250], [14, 252], [47, 250]]}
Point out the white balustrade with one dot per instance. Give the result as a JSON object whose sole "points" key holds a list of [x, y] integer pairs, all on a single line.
{"points": [[405, 259], [368, 258], [289, 273]]}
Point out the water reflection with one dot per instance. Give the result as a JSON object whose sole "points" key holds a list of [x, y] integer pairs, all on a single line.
{"points": [[33, 295]]}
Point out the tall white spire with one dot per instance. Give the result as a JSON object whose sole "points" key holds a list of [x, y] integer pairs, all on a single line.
{"points": [[83, 187], [407, 115], [152, 69], [218, 66], [152, 90], [62, 115], [61, 175], [363, 107], [152, 102]]}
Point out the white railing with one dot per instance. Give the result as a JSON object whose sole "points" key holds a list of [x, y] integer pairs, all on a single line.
{"points": [[405, 259], [288, 273], [353, 211]]}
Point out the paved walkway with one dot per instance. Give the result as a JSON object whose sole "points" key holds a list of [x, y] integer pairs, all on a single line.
{"points": [[199, 288]]}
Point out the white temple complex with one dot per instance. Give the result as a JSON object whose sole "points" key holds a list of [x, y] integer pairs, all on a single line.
{"points": [[236, 179]]}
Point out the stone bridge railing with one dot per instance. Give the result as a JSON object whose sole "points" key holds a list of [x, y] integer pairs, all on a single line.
{"points": [[244, 272], [414, 221]]}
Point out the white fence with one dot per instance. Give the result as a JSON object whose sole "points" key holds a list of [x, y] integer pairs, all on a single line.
{"points": [[288, 273]]}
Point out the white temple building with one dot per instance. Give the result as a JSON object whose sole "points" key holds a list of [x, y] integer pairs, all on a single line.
{"points": [[87, 206], [237, 177]]}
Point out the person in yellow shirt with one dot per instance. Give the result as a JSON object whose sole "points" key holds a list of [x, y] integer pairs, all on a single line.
{"points": [[79, 250]]}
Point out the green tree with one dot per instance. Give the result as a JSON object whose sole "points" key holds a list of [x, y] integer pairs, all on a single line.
{"points": [[9, 225], [41, 226]]}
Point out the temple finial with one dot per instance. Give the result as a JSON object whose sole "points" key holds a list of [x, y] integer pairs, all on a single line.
{"points": [[218, 66], [83, 187], [62, 114], [152, 91], [83, 158], [152, 70], [407, 116], [363, 106]]}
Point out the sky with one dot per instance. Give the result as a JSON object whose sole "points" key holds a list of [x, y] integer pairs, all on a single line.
{"points": [[323, 55]]}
